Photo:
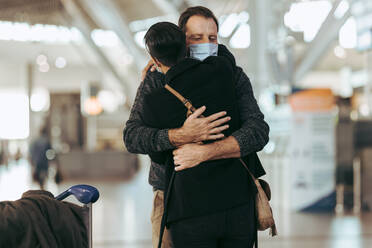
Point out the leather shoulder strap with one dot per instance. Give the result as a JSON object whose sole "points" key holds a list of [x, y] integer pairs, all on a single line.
{"points": [[186, 102], [246, 167], [174, 92]]}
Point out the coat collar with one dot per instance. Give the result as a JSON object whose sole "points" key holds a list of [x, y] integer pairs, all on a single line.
{"points": [[180, 68]]}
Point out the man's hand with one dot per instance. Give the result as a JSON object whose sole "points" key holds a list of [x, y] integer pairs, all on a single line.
{"points": [[149, 65], [196, 129], [188, 156], [191, 155]]}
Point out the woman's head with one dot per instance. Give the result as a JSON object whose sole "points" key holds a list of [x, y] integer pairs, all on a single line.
{"points": [[166, 43]]}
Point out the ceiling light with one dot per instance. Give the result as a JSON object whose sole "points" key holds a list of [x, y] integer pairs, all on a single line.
{"points": [[348, 34], [108, 101], [139, 38], [14, 112], [341, 9], [243, 17], [41, 59], [60, 62], [40, 100], [44, 67], [92, 106], [105, 38], [364, 109], [307, 17], [242, 37], [339, 52], [228, 26], [365, 40]]}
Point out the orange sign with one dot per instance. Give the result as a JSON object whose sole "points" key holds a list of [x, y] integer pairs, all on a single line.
{"points": [[312, 100]]}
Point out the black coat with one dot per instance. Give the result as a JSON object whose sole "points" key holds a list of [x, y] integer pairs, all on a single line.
{"points": [[213, 185]]}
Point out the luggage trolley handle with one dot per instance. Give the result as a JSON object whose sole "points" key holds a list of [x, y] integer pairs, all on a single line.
{"points": [[87, 195]]}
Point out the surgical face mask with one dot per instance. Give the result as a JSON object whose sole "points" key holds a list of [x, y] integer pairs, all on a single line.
{"points": [[203, 50]]}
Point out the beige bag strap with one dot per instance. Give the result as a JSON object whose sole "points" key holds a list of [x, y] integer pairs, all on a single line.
{"points": [[186, 102], [246, 167]]}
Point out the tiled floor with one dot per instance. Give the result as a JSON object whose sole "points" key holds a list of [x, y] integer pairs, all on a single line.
{"points": [[122, 216]]}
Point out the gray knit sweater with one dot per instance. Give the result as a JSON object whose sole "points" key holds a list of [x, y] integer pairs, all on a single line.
{"points": [[138, 138]]}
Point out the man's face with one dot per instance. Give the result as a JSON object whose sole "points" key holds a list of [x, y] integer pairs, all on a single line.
{"points": [[200, 30]]}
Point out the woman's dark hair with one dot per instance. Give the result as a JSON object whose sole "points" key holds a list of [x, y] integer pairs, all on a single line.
{"points": [[166, 42], [195, 11]]}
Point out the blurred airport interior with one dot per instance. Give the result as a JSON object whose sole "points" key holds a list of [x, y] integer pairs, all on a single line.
{"points": [[73, 67]]}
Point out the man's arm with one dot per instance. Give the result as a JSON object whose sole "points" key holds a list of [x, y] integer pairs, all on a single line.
{"points": [[139, 138], [254, 132], [251, 137]]}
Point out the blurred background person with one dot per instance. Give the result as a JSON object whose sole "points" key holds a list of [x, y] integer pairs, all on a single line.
{"points": [[4, 153], [38, 156]]}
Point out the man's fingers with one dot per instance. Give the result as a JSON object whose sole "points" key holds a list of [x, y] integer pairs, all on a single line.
{"points": [[215, 116], [215, 136], [197, 113], [147, 67], [179, 168], [153, 68], [218, 130], [219, 122], [149, 64]]}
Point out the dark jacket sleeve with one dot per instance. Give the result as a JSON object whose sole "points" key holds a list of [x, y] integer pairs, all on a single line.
{"points": [[254, 132], [139, 138]]}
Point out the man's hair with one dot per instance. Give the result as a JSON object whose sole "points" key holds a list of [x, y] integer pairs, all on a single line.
{"points": [[166, 42], [195, 11]]}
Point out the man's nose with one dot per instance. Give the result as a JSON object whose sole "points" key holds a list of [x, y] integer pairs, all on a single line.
{"points": [[205, 39]]}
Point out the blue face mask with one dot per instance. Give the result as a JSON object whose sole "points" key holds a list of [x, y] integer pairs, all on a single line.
{"points": [[203, 50]]}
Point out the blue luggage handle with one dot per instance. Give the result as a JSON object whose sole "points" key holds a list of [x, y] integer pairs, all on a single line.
{"points": [[83, 193]]}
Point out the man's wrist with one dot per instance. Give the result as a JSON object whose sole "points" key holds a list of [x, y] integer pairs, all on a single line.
{"points": [[208, 151], [222, 149], [177, 137]]}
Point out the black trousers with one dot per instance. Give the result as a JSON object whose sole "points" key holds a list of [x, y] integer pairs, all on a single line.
{"points": [[233, 228]]}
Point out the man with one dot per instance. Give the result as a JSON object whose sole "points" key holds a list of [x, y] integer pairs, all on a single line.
{"points": [[200, 27], [39, 160]]}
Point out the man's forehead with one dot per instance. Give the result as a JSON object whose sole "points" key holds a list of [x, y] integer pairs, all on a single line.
{"points": [[201, 25]]}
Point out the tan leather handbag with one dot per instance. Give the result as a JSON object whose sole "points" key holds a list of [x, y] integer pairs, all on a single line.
{"points": [[264, 213]]}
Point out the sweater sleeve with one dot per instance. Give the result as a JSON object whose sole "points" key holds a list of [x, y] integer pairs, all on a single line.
{"points": [[254, 132], [139, 138]]}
